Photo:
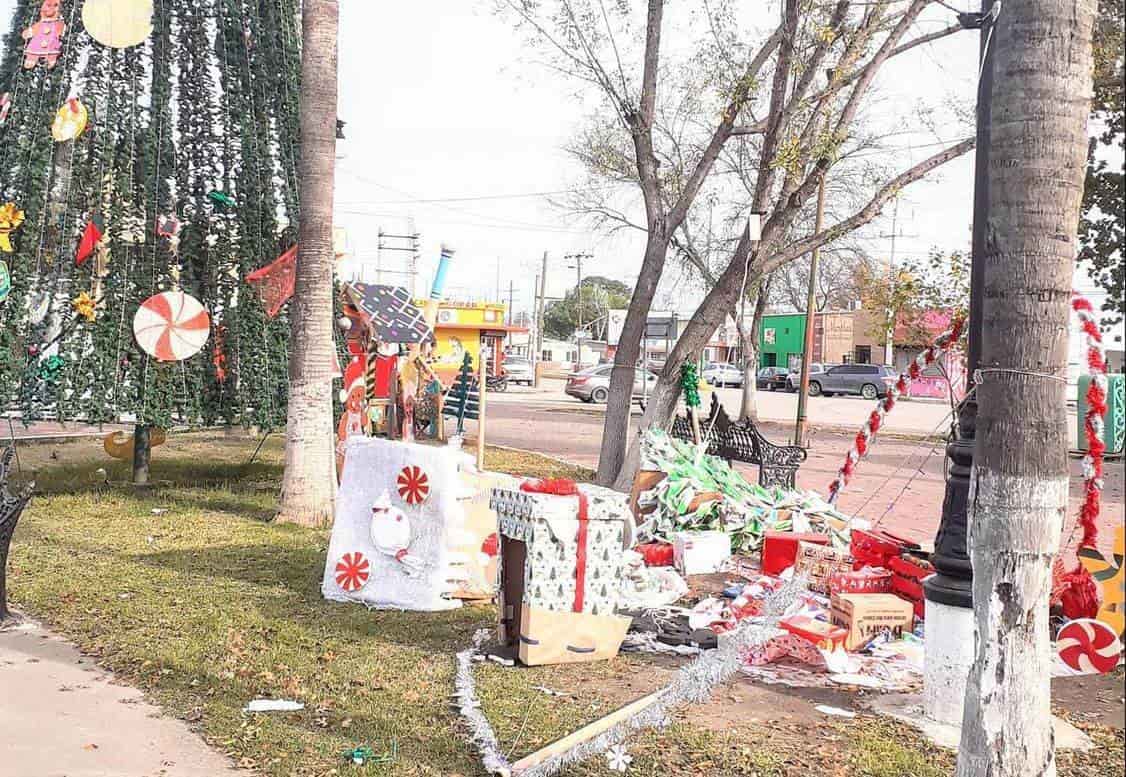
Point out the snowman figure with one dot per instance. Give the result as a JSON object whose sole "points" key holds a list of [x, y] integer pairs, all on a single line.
{"points": [[391, 534]]}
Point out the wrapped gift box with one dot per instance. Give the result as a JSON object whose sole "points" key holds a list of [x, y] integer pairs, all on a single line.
{"points": [[821, 634], [873, 547], [819, 563], [700, 552], [780, 549], [560, 576], [907, 575], [657, 554], [869, 580], [866, 616]]}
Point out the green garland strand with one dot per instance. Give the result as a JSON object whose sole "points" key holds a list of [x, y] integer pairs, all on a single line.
{"points": [[690, 383]]}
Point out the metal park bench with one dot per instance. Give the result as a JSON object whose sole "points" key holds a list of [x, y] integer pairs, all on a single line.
{"points": [[11, 506], [741, 441]]}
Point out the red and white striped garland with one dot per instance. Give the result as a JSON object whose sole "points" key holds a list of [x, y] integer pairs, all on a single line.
{"points": [[872, 427], [1093, 421]]}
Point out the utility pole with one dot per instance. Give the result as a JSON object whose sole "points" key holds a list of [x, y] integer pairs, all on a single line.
{"points": [[542, 287], [407, 243], [889, 335], [578, 267], [416, 252], [511, 299], [810, 318]]}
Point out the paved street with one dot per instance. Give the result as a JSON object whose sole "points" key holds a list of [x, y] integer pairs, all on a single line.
{"points": [[900, 485]]}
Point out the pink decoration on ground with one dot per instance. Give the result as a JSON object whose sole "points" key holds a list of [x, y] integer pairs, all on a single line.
{"points": [[414, 485], [1088, 645], [884, 406], [352, 571]]}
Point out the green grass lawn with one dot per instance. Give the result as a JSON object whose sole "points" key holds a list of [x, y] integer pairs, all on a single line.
{"points": [[188, 591]]}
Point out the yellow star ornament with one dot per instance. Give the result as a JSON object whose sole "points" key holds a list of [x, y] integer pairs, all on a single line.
{"points": [[84, 306]]}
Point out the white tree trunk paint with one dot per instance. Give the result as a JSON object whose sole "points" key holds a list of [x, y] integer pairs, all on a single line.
{"points": [[949, 654], [1015, 524]]}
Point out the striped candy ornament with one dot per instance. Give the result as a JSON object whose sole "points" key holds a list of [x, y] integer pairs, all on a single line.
{"points": [[171, 326], [1093, 421], [884, 406], [352, 571], [1088, 645]]}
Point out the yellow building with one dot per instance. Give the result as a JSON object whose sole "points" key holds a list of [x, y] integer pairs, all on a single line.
{"points": [[467, 327]]}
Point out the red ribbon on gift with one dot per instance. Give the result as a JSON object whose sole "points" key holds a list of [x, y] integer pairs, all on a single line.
{"points": [[565, 487]]}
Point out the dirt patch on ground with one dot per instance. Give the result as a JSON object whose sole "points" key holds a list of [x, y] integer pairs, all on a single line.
{"points": [[1097, 699]]}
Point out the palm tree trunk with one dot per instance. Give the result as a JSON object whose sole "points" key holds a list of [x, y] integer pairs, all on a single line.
{"points": [[308, 485], [1018, 495]]}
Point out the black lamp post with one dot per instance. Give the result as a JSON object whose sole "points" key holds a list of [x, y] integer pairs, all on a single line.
{"points": [[953, 582]]}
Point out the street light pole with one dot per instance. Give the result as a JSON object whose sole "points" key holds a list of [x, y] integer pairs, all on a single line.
{"points": [[810, 317], [949, 603]]}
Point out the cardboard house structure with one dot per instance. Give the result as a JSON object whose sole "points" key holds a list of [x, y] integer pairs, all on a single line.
{"points": [[560, 576]]}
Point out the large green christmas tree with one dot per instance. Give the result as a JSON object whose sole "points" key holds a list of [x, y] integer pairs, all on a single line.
{"points": [[197, 125]]}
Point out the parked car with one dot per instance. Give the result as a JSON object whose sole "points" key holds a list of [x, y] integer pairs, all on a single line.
{"points": [[868, 380], [719, 374], [771, 378], [793, 378], [519, 370], [593, 383]]}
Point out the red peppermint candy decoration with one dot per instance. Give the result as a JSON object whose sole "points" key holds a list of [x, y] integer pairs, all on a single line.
{"points": [[352, 571], [1088, 645], [414, 485]]}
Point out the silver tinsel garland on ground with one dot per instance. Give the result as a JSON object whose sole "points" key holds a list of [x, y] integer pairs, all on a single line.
{"points": [[692, 685]]}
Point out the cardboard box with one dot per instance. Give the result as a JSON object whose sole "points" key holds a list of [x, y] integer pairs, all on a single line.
{"points": [[873, 547], [700, 552], [780, 549], [819, 563], [868, 615]]}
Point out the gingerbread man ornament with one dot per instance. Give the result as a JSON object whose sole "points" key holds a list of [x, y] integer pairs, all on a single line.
{"points": [[45, 37]]}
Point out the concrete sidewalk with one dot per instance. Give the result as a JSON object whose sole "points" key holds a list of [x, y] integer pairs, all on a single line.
{"points": [[61, 716]]}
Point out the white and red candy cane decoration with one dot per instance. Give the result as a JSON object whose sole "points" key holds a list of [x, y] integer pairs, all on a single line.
{"points": [[884, 406]]}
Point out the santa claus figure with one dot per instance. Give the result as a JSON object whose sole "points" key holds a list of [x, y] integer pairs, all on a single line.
{"points": [[354, 420], [391, 534]]}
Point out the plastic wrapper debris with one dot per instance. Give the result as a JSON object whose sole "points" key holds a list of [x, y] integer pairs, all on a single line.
{"points": [[645, 587], [703, 493]]}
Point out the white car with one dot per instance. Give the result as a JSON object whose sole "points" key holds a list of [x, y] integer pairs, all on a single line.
{"points": [[519, 370], [723, 375]]}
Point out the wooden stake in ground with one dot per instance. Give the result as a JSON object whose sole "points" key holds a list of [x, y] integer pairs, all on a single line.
{"points": [[1018, 496], [308, 483], [482, 379]]}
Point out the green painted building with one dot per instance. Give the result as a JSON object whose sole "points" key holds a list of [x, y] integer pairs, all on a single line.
{"points": [[781, 340]]}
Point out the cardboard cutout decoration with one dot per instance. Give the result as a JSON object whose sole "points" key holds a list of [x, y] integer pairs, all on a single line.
{"points": [[70, 121], [45, 37], [84, 305], [352, 571], [38, 304], [389, 313], [276, 281], [169, 227], [391, 534], [171, 326], [1110, 575], [119, 445], [5, 107], [10, 219], [5, 281], [353, 421], [1088, 646], [118, 24]]}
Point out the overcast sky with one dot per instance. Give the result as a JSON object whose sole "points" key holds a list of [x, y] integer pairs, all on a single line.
{"points": [[451, 123]]}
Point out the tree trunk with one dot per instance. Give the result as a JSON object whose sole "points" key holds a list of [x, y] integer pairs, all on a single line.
{"points": [[308, 484], [142, 454], [748, 409], [1019, 490], [616, 428]]}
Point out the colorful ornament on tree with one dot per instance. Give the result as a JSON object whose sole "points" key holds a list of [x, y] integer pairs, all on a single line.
{"points": [[10, 219], [221, 199], [5, 107], [45, 37], [1088, 645], [38, 304], [118, 24], [5, 281], [1110, 576], [352, 571], [413, 484], [50, 368], [85, 306], [169, 227], [275, 282], [690, 383], [70, 120], [171, 326], [91, 236]]}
